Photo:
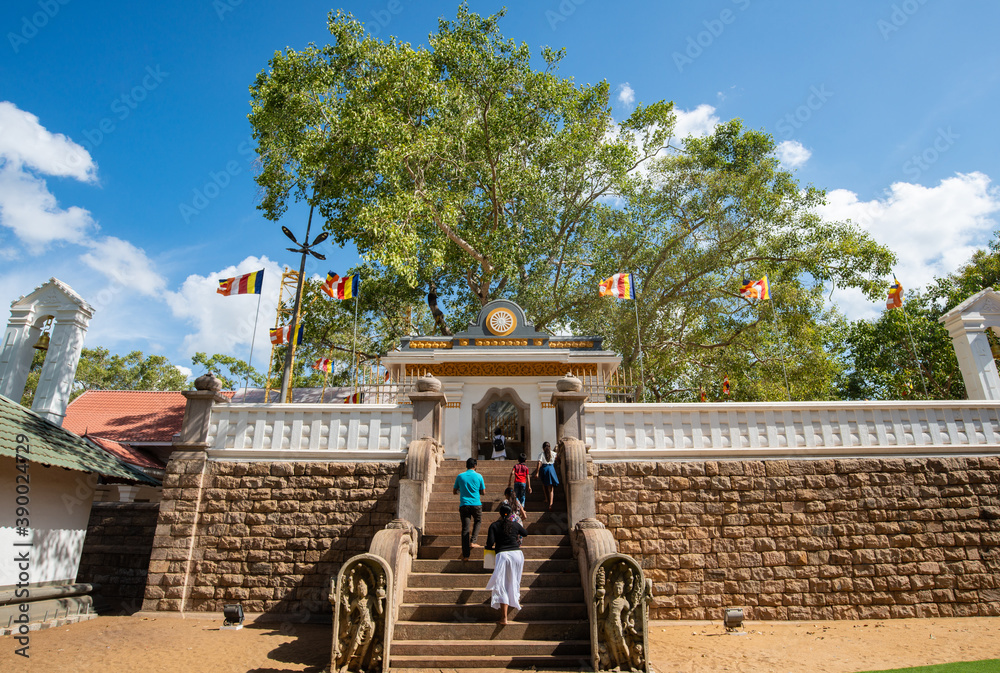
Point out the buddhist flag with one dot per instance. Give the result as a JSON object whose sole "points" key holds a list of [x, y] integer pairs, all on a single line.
{"points": [[342, 288], [756, 289], [701, 395], [895, 298], [280, 335], [619, 286], [324, 365], [725, 386], [249, 283]]}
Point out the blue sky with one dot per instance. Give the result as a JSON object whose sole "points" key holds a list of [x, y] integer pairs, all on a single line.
{"points": [[125, 158]]}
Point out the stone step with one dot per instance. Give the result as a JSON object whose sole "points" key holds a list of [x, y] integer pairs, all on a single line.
{"points": [[412, 648], [490, 506], [531, 565], [570, 629], [447, 540], [458, 663], [455, 552], [482, 612], [455, 595], [469, 581], [451, 516], [535, 529]]}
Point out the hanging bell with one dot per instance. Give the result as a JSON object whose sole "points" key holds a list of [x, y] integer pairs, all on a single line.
{"points": [[43, 342]]}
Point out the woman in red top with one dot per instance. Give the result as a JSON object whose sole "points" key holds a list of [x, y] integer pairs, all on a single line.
{"points": [[521, 476]]}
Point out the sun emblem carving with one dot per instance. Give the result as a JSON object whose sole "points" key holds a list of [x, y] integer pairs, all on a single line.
{"points": [[501, 321]]}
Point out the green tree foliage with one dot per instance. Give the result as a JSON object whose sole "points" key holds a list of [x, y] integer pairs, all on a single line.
{"points": [[100, 370], [882, 364], [463, 174], [233, 372]]}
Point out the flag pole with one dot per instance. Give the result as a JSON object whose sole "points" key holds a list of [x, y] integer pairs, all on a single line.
{"points": [[913, 346], [253, 339], [326, 376], [781, 343], [642, 367], [355, 344]]}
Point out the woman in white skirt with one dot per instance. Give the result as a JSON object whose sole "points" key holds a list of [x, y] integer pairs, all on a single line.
{"points": [[504, 538]]}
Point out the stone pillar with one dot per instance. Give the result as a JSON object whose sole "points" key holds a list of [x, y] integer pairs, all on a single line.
{"points": [[568, 401], [428, 400], [424, 452], [198, 413]]}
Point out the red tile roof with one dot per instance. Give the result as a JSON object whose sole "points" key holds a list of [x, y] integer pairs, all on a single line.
{"points": [[136, 416], [127, 453]]}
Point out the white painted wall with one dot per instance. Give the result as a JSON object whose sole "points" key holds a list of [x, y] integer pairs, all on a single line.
{"points": [[309, 431], [790, 429], [59, 510]]}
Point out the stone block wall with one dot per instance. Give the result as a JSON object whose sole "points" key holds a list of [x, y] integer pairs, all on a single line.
{"points": [[269, 535], [116, 554], [811, 539]]}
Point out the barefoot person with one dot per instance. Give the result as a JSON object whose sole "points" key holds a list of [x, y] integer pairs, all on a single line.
{"points": [[546, 470], [504, 537], [469, 486], [520, 475]]}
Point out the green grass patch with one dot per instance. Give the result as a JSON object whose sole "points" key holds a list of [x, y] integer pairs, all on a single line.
{"points": [[982, 666]]}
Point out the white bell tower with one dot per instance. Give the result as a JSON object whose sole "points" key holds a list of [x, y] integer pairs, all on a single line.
{"points": [[70, 316]]}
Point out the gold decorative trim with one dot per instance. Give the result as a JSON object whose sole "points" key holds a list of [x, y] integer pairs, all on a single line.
{"points": [[463, 342], [501, 321], [444, 345], [501, 342], [555, 369], [548, 405], [453, 405], [571, 344], [539, 342]]}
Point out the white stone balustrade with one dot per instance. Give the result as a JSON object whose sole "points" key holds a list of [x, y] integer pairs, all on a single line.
{"points": [[354, 432], [793, 429]]}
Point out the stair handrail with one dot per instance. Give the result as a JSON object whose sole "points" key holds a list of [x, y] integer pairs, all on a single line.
{"points": [[423, 456]]}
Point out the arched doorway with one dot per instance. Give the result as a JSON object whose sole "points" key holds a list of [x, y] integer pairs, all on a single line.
{"points": [[503, 408]]}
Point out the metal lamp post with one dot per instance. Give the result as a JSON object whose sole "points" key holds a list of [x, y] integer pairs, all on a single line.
{"points": [[305, 249]]}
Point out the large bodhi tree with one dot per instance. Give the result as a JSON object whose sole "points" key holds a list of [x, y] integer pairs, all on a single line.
{"points": [[461, 171], [454, 164]]}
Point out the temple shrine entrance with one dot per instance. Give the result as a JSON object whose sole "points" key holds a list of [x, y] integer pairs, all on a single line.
{"points": [[501, 408]]}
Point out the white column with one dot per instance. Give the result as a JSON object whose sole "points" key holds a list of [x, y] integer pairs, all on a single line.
{"points": [[15, 354], [56, 380], [975, 360]]}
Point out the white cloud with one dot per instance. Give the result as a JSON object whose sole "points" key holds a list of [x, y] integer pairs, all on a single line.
{"points": [[186, 371], [25, 142], [700, 121], [27, 206], [121, 261], [792, 153], [626, 96], [932, 230], [222, 323]]}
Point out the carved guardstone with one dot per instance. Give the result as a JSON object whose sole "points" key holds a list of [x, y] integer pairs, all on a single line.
{"points": [[619, 608], [361, 615]]}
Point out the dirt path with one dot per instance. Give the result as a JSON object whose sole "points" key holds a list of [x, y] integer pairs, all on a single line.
{"points": [[143, 645]]}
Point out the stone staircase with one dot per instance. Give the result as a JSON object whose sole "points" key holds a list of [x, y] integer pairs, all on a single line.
{"points": [[445, 619]]}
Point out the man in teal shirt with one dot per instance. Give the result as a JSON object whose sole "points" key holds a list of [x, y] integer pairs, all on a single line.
{"points": [[469, 485]]}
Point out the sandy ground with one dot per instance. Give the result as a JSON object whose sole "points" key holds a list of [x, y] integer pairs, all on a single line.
{"points": [[147, 645]]}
